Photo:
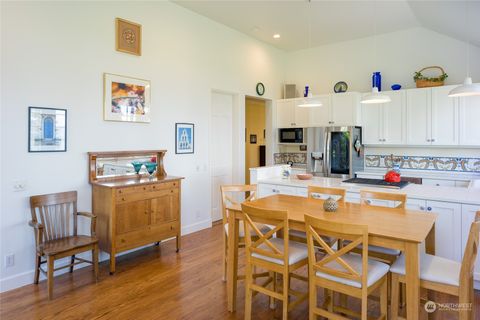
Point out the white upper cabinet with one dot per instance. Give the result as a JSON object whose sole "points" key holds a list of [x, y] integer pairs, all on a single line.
{"points": [[469, 121], [444, 117], [385, 123], [419, 116], [286, 113], [345, 109], [320, 116]]}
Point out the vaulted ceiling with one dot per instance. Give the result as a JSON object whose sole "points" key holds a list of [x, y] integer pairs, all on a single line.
{"points": [[335, 21]]}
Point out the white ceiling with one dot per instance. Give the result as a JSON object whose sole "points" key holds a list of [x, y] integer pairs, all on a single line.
{"points": [[336, 21]]}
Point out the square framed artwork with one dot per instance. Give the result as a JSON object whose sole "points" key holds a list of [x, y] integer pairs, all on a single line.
{"points": [[184, 138], [126, 99], [128, 36], [47, 130]]}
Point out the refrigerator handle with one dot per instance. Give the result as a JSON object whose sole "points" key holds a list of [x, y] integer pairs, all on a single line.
{"points": [[326, 155]]}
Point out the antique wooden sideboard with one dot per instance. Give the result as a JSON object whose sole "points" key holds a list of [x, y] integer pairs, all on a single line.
{"points": [[133, 209]]}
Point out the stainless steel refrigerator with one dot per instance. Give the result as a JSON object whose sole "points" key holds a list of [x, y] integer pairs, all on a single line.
{"points": [[334, 151]]}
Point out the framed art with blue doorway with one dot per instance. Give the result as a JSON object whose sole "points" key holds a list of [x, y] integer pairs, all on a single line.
{"points": [[184, 138], [47, 130]]}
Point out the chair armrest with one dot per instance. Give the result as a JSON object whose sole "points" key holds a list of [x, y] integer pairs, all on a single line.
{"points": [[93, 221], [35, 225]]}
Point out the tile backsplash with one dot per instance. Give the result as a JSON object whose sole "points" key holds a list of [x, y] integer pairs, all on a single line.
{"points": [[295, 157], [448, 164]]}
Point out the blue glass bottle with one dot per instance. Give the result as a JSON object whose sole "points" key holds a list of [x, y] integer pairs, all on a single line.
{"points": [[377, 80], [305, 92]]}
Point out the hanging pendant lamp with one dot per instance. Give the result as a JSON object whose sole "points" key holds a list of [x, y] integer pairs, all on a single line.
{"points": [[375, 96], [308, 101], [468, 88]]}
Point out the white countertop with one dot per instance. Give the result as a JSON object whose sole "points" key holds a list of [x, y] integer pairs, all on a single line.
{"points": [[440, 175], [415, 191]]}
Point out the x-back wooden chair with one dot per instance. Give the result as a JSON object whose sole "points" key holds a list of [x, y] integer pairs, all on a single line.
{"points": [[54, 219], [340, 271], [277, 255]]}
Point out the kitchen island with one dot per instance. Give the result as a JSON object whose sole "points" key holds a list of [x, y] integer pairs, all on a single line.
{"points": [[454, 206]]}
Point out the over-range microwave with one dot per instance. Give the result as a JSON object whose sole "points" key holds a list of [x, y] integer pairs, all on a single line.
{"points": [[290, 135]]}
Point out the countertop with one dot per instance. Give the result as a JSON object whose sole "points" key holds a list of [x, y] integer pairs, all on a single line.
{"points": [[440, 175], [415, 191]]}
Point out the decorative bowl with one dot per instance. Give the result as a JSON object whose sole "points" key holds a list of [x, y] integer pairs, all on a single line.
{"points": [[137, 166], [330, 205], [396, 87], [304, 176], [151, 166]]}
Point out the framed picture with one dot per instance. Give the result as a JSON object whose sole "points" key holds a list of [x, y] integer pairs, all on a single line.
{"points": [[47, 130], [126, 99], [184, 138], [253, 139], [128, 37]]}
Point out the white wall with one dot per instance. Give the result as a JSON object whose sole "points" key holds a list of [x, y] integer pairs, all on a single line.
{"points": [[55, 54], [399, 55]]}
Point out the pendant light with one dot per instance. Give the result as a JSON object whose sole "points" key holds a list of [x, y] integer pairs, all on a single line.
{"points": [[375, 96], [467, 88], [309, 101]]}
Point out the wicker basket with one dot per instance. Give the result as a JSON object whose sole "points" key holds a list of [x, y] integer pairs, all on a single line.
{"points": [[421, 83]]}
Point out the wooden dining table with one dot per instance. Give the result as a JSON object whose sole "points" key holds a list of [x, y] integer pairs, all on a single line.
{"points": [[393, 228]]}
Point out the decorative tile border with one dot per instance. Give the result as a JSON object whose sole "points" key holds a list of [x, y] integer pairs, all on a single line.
{"points": [[281, 158], [448, 164]]}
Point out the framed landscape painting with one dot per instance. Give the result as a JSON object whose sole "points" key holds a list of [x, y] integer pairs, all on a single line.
{"points": [[126, 99], [47, 130], [184, 138]]}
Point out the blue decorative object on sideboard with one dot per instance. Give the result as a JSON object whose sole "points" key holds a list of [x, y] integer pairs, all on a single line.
{"points": [[377, 80], [151, 166], [396, 87], [137, 166]]}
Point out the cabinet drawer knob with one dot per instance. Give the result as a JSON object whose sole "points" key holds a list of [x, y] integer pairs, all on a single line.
{"points": [[123, 199], [429, 208], [422, 208]]}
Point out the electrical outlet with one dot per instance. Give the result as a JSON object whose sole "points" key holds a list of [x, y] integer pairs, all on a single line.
{"points": [[19, 185], [9, 260]]}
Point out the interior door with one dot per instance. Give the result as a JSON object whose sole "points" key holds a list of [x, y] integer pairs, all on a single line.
{"points": [[221, 148]]}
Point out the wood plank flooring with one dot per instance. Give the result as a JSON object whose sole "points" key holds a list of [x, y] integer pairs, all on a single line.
{"points": [[155, 283]]}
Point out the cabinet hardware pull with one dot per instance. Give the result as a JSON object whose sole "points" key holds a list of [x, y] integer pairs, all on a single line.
{"points": [[429, 208], [433, 140], [369, 201], [422, 208]]}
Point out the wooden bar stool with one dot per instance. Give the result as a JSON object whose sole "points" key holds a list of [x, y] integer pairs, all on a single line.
{"points": [[444, 275], [277, 255], [54, 219], [315, 192], [227, 192], [341, 271]]}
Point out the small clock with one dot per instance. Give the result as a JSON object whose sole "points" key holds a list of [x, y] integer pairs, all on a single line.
{"points": [[260, 89], [340, 87]]}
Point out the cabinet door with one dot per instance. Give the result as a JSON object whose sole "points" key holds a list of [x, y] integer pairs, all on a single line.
{"points": [[372, 124], [447, 229], [469, 116], [444, 117], [285, 113], [394, 118], [165, 207], [302, 115], [132, 216], [345, 109], [416, 204], [419, 116], [320, 116], [468, 216]]}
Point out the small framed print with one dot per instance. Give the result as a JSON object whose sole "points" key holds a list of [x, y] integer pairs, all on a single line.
{"points": [[126, 99], [47, 130], [128, 37], [253, 139], [184, 138]]}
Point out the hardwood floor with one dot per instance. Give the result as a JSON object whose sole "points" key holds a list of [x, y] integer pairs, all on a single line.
{"points": [[155, 283]]}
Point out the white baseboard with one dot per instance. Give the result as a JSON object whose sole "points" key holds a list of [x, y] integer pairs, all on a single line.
{"points": [[26, 278]]}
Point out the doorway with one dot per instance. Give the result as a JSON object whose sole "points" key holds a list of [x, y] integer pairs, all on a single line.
{"points": [[255, 135], [221, 147]]}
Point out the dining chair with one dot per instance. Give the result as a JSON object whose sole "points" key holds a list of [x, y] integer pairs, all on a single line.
{"points": [[444, 275], [248, 193], [55, 221], [373, 198], [277, 255], [316, 192], [341, 271]]}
